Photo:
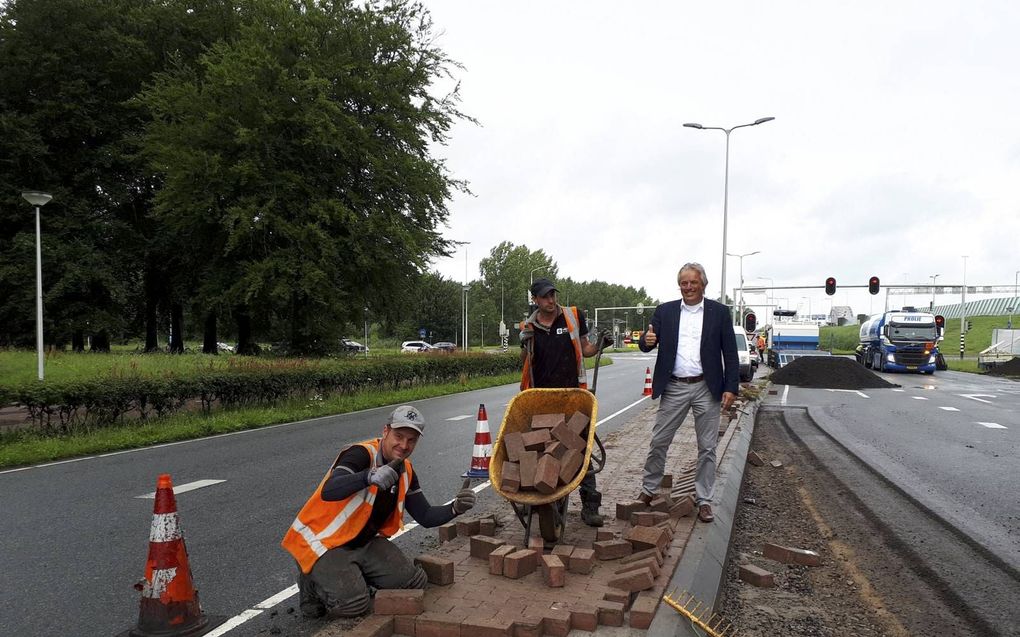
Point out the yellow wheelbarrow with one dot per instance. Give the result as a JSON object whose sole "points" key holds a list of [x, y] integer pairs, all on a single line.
{"points": [[551, 508]]}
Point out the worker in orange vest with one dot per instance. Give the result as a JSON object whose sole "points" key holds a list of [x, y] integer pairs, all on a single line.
{"points": [[339, 538], [554, 344], [761, 346]]}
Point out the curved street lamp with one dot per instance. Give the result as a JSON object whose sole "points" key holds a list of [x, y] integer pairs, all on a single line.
{"points": [[38, 199], [726, 188]]}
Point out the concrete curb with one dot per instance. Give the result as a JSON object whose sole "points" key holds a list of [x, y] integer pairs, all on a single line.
{"points": [[703, 563]]}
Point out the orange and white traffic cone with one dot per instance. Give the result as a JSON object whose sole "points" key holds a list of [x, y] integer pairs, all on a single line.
{"points": [[483, 447], [169, 606], [648, 382]]}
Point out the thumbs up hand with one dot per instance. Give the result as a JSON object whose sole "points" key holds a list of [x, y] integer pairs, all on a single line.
{"points": [[650, 338]]}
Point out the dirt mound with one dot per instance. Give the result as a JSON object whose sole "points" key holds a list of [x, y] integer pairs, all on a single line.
{"points": [[828, 372], [1009, 368]]}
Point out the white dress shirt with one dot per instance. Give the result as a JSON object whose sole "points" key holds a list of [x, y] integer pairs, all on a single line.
{"points": [[688, 342]]}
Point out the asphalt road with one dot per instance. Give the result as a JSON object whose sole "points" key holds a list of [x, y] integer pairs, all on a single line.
{"points": [[75, 533], [951, 441]]}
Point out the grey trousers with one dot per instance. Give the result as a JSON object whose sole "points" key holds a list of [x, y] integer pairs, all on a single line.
{"points": [[340, 580], [674, 403]]}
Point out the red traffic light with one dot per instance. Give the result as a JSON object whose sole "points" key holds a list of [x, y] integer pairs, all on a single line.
{"points": [[830, 285], [873, 285], [750, 322]]}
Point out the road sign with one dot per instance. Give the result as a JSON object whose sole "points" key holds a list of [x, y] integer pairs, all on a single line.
{"points": [[422, 332], [640, 308]]}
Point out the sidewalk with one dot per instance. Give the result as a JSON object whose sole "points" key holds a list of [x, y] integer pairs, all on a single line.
{"points": [[480, 604]]}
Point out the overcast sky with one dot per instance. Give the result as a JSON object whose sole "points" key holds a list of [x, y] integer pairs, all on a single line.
{"points": [[895, 149]]}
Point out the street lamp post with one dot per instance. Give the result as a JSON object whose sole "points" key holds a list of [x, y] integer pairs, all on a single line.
{"points": [[531, 280], [933, 277], [38, 199], [726, 189], [481, 326], [740, 313], [464, 320]]}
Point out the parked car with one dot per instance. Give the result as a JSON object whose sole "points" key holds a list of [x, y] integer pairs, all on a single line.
{"points": [[415, 346], [747, 368], [348, 345], [445, 346]]}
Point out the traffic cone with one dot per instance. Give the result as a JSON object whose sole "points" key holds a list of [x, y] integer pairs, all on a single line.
{"points": [[648, 382], [169, 606], [483, 447]]}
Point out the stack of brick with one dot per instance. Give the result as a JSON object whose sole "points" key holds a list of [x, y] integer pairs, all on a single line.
{"points": [[547, 456]]}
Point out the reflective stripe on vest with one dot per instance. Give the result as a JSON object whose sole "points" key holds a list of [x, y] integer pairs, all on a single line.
{"points": [[341, 521], [574, 328]]}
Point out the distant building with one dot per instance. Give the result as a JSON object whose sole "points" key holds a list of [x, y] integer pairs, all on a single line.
{"points": [[841, 315]]}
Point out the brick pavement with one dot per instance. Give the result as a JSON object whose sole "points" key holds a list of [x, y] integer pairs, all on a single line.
{"points": [[480, 603]]}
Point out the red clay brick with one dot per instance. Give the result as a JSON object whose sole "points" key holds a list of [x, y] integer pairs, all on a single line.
{"points": [[437, 625], [520, 563], [643, 518], [659, 504], [613, 549], [621, 597], [447, 532], [536, 544], [535, 440], [490, 627], [647, 537], [556, 449], [570, 464], [610, 613], [400, 601], [510, 479], [788, 555], [513, 442], [467, 528], [404, 624], [754, 459], [563, 550], [584, 617], [487, 526], [497, 556], [756, 576], [528, 627], [625, 509], [553, 571], [604, 534], [529, 462], [482, 545], [578, 423], [546, 421], [682, 508], [649, 563], [631, 581], [582, 561], [439, 570], [373, 626], [569, 438], [556, 622], [667, 481], [642, 611], [547, 474], [640, 555]]}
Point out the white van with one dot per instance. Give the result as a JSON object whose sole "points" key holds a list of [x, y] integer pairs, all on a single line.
{"points": [[747, 363]]}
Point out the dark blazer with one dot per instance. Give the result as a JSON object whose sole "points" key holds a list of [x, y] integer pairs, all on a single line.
{"points": [[719, 362]]}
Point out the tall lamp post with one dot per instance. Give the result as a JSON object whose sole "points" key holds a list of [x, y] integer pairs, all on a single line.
{"points": [[531, 280], [481, 326], [933, 277], [726, 189], [740, 313], [38, 199]]}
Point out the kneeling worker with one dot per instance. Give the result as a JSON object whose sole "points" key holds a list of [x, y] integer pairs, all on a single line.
{"points": [[339, 536]]}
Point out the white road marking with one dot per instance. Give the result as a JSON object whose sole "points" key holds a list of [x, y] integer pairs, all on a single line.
{"points": [[900, 390], [182, 488], [459, 417], [292, 590], [979, 397], [949, 409], [852, 391], [919, 397], [991, 425], [786, 392]]}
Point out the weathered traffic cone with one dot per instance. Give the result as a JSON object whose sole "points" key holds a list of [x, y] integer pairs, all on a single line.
{"points": [[169, 606], [648, 382], [483, 447]]}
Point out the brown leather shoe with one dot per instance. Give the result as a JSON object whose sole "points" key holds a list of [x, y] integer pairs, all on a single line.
{"points": [[705, 513], [644, 498]]}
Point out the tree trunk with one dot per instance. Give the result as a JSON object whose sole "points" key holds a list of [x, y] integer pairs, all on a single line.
{"points": [[78, 341], [151, 317], [245, 345], [176, 328], [209, 345], [100, 343]]}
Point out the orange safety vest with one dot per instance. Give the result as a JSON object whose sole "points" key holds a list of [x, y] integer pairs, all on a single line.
{"points": [[574, 327], [322, 525]]}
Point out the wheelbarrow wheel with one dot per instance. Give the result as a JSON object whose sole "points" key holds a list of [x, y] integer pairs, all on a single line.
{"points": [[552, 518]]}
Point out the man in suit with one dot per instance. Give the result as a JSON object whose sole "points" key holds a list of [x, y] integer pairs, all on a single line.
{"points": [[696, 368]]}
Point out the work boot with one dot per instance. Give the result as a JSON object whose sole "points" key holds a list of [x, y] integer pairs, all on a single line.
{"points": [[590, 510]]}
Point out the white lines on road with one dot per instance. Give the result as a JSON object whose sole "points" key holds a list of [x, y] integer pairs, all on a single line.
{"points": [[851, 391], [786, 392], [183, 488], [919, 397], [991, 425], [900, 390], [949, 409], [460, 417], [979, 397]]}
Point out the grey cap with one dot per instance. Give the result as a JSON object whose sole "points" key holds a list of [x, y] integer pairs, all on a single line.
{"points": [[407, 416], [541, 287]]}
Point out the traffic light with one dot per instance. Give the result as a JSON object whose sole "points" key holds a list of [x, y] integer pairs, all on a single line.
{"points": [[830, 285], [873, 285], [750, 322]]}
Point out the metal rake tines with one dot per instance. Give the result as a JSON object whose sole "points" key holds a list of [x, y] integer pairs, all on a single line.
{"points": [[691, 608]]}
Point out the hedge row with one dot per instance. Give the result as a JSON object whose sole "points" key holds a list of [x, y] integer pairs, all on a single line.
{"points": [[96, 402]]}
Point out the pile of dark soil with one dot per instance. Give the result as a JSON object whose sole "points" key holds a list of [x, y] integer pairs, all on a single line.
{"points": [[1009, 368], [828, 372]]}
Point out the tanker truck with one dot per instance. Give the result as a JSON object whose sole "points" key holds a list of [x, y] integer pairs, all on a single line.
{"points": [[900, 341]]}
